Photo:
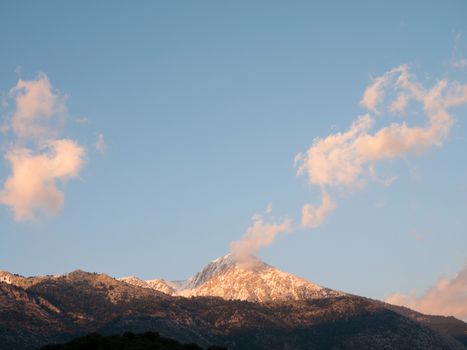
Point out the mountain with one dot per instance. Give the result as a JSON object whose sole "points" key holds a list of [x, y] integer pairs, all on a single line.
{"points": [[27, 319], [156, 284], [21, 281], [229, 279], [35, 311]]}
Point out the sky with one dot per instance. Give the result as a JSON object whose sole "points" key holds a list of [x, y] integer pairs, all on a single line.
{"points": [[328, 137]]}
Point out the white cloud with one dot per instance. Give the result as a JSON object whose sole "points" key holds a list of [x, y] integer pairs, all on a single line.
{"points": [[335, 160], [40, 111], [375, 93], [100, 144], [262, 232], [33, 183], [447, 297], [347, 159], [49, 160], [341, 159], [313, 216]]}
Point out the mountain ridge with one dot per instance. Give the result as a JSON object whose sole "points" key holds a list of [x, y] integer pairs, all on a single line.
{"points": [[38, 310], [251, 280]]}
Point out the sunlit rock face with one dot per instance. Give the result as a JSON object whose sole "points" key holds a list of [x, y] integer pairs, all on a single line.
{"points": [[22, 281], [251, 280], [157, 284]]}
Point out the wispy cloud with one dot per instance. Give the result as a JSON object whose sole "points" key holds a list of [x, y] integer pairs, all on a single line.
{"points": [[100, 144], [40, 111], [262, 232], [313, 216], [33, 183], [347, 159], [340, 159], [448, 296], [344, 160], [457, 59], [374, 93], [38, 158]]}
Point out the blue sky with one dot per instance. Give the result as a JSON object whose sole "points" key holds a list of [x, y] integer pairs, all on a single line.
{"points": [[203, 107]]}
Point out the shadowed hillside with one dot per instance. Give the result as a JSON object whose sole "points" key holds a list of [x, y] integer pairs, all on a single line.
{"points": [[127, 341], [58, 309]]}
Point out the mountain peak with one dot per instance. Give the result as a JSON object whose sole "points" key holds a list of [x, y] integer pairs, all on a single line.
{"points": [[230, 278], [251, 280], [218, 266]]}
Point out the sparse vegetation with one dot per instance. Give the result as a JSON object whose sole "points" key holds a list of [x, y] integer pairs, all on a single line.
{"points": [[58, 309]]}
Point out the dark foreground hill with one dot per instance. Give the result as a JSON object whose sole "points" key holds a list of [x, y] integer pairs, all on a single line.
{"points": [[127, 341], [57, 309]]}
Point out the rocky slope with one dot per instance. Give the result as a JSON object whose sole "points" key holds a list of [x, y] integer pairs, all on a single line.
{"points": [[21, 281], [49, 309], [156, 284]]}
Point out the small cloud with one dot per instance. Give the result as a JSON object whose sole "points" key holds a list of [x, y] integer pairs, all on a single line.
{"points": [[37, 171], [261, 233], [374, 94], [457, 60], [100, 144], [40, 111], [33, 183], [448, 297], [313, 216]]}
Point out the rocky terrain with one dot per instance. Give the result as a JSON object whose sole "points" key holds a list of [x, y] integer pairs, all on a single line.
{"points": [[36, 311], [253, 280]]}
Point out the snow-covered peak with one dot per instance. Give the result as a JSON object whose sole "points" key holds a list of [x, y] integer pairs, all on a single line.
{"points": [[216, 267], [251, 280]]}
